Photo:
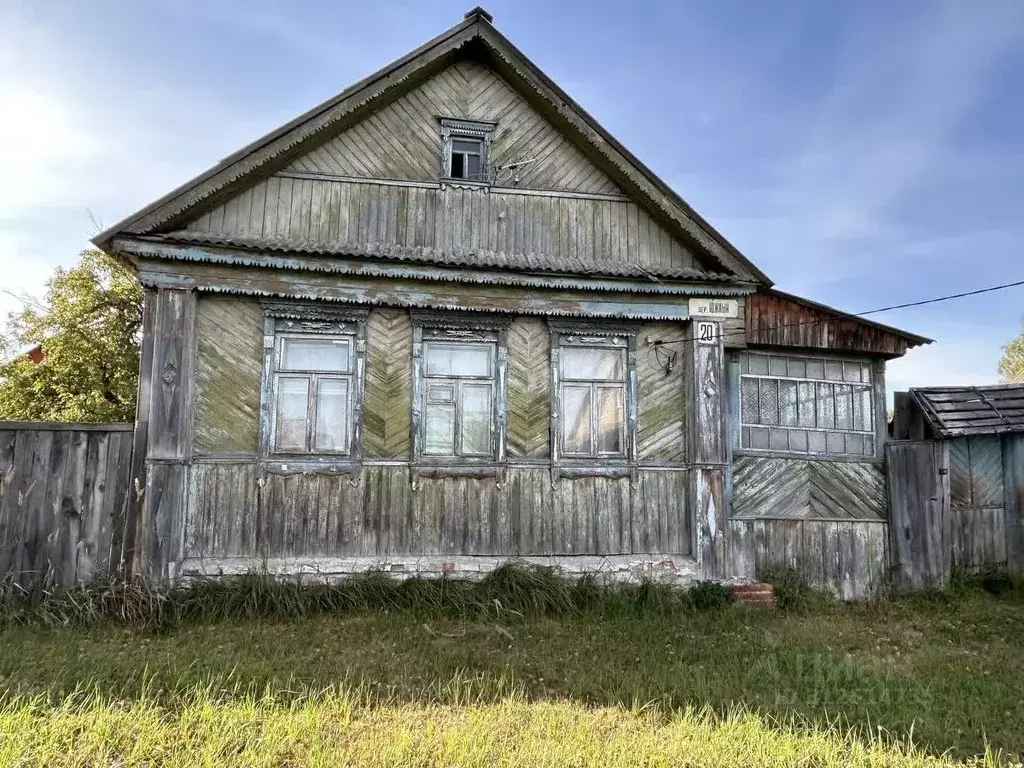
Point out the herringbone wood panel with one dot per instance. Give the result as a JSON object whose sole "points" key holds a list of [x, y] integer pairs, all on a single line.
{"points": [[529, 403], [402, 140], [387, 403], [229, 368], [661, 400], [798, 488]]}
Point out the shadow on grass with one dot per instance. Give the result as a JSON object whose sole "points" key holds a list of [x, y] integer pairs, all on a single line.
{"points": [[951, 671]]}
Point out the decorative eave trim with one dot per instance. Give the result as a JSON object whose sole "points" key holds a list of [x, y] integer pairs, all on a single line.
{"points": [[157, 249], [306, 310]]}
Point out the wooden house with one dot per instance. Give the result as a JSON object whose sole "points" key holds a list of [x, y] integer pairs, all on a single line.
{"points": [[978, 441], [445, 319]]}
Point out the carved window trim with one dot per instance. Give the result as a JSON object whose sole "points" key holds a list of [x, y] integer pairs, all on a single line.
{"points": [[455, 328], [568, 333], [283, 320], [458, 128]]}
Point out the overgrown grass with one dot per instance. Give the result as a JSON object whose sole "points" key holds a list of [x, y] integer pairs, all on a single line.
{"points": [[512, 590], [522, 668]]}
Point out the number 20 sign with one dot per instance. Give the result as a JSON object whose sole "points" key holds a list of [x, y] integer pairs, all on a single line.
{"points": [[707, 333]]}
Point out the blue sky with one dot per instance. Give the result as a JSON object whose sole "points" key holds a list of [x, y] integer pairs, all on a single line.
{"points": [[862, 153]]}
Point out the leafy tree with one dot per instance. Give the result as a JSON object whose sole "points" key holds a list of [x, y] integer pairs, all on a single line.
{"points": [[88, 326], [1011, 365]]}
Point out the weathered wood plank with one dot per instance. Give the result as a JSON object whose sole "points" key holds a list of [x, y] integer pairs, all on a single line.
{"points": [[919, 512], [529, 343], [229, 363], [388, 393]]}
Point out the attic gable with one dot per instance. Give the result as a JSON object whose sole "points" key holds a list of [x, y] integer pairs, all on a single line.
{"points": [[475, 37], [402, 139]]}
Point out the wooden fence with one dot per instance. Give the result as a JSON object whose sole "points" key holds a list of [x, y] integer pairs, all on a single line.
{"points": [[62, 501]]}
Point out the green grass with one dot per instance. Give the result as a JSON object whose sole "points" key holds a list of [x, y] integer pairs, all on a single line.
{"points": [[638, 676]]}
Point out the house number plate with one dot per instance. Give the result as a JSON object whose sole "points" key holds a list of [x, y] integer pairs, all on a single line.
{"points": [[707, 333]]}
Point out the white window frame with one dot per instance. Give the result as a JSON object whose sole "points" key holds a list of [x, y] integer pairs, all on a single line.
{"points": [[459, 330], [311, 320], [569, 335]]}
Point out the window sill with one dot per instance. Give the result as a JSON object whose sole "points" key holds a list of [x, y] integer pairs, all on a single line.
{"points": [[282, 465], [455, 470], [614, 471]]}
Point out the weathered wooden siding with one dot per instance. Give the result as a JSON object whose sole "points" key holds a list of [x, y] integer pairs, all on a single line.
{"points": [[238, 510], [797, 488], [529, 403], [330, 212], [780, 320], [919, 512], [402, 140], [850, 559], [387, 403], [62, 500], [661, 397], [977, 492], [229, 366]]}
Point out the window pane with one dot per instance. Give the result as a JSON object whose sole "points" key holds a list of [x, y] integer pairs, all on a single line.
{"points": [[826, 407], [610, 404], [749, 400], [797, 368], [844, 406], [787, 394], [331, 415], [472, 166], [769, 401], [833, 370], [441, 393], [576, 419], [458, 166], [439, 426], [292, 407], [466, 145], [458, 359], [315, 355], [593, 363], [777, 366], [815, 369], [476, 419], [851, 372], [865, 405], [758, 363], [805, 395]]}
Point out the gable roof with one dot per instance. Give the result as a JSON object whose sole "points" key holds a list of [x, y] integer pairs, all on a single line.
{"points": [[475, 32], [961, 411]]}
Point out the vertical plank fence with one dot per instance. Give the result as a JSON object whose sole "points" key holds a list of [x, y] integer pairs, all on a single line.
{"points": [[62, 501]]}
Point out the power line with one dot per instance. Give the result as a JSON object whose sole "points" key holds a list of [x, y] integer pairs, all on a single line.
{"points": [[921, 303]]}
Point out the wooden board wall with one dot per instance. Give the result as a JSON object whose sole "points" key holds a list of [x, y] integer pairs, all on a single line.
{"points": [[334, 212], [235, 510], [62, 498], [402, 140], [529, 398], [849, 559], [661, 395], [387, 401], [229, 367], [796, 488]]}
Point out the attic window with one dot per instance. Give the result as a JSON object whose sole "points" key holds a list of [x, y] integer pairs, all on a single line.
{"points": [[465, 145]]}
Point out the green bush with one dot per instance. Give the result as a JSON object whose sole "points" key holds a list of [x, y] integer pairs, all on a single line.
{"points": [[792, 590]]}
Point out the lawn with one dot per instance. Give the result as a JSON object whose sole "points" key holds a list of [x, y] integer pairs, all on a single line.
{"points": [[911, 682]]}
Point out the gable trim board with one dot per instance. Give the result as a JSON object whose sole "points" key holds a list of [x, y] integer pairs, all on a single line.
{"points": [[476, 35]]}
